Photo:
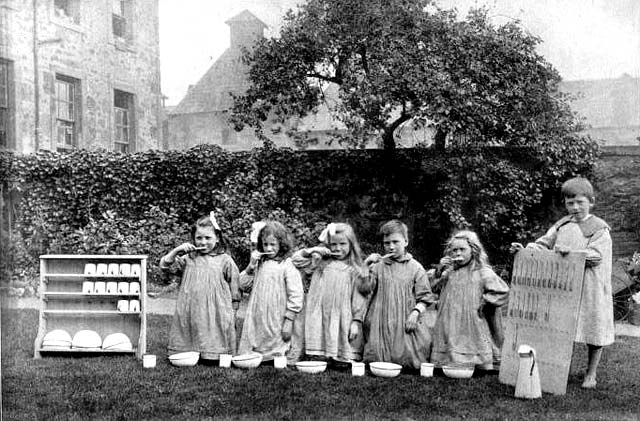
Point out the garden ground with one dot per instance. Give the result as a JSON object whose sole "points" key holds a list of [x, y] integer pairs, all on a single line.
{"points": [[108, 387]]}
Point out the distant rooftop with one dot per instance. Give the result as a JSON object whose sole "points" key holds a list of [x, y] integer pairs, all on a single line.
{"points": [[607, 102], [227, 74]]}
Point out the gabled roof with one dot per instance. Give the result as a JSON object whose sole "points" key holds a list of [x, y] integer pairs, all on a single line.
{"points": [[245, 17], [211, 93], [227, 74]]}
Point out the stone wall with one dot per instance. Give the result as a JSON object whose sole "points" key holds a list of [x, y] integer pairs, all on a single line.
{"points": [[83, 47], [618, 197]]}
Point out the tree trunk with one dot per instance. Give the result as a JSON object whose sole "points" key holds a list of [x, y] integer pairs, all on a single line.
{"points": [[388, 142], [440, 139]]}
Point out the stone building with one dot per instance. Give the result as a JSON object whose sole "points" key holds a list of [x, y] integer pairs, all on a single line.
{"points": [[202, 115], [611, 108], [80, 74]]}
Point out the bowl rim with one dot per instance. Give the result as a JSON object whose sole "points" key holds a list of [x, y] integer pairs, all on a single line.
{"points": [[184, 355], [388, 366], [310, 364], [246, 357]]}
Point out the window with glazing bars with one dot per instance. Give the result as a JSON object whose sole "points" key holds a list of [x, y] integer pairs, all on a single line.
{"points": [[119, 21], [123, 106], [66, 109]]}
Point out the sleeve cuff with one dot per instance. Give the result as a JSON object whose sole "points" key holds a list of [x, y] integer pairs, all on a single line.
{"points": [[291, 315], [164, 264], [420, 307]]}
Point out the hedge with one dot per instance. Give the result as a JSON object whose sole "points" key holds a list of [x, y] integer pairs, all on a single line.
{"points": [[107, 202]]}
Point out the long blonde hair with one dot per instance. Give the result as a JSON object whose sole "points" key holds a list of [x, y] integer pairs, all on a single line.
{"points": [[479, 256], [355, 253]]}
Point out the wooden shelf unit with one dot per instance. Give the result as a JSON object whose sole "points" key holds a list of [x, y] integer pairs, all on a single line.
{"points": [[64, 306]]}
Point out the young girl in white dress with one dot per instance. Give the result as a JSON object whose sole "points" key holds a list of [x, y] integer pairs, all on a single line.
{"points": [[334, 307], [462, 334], [208, 298], [276, 294]]}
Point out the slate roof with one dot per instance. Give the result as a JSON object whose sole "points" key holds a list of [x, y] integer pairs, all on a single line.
{"points": [[226, 74]]}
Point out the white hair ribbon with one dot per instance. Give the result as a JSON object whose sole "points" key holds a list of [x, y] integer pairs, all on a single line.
{"points": [[328, 231], [256, 227], [214, 222]]}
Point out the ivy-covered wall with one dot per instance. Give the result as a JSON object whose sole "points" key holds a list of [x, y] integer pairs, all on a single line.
{"points": [[618, 197], [104, 202]]}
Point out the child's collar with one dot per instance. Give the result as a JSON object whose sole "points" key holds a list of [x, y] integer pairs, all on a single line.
{"points": [[278, 259], [588, 226], [213, 252], [406, 257], [583, 220]]}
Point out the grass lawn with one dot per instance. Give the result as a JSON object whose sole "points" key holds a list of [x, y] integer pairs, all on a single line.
{"points": [[114, 387]]}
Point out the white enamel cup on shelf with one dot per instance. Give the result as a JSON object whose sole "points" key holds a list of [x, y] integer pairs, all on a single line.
{"points": [[123, 305], [426, 369], [87, 287], [357, 369], [90, 269], [113, 269], [125, 269], [123, 287], [225, 360], [134, 288], [135, 269], [101, 269], [148, 360], [112, 287], [100, 287], [134, 306], [280, 361]]}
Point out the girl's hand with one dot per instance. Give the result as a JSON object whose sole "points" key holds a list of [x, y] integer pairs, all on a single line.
{"points": [[515, 247], [446, 261], [255, 258], [372, 258], [322, 251], [287, 328], [563, 250], [184, 248], [316, 258], [354, 330], [412, 321]]}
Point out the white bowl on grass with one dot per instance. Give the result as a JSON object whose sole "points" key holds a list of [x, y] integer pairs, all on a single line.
{"points": [[384, 369], [456, 372], [251, 360], [185, 359], [311, 367]]}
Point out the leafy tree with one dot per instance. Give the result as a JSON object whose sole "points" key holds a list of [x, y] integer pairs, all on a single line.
{"points": [[476, 84], [397, 61]]}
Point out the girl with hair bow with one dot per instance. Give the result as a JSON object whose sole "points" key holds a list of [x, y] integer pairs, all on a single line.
{"points": [[204, 320], [334, 308], [276, 293]]}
